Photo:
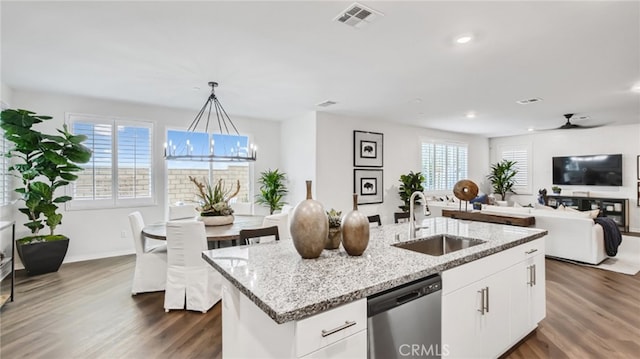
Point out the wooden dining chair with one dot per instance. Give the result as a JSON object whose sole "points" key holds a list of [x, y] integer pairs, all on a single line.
{"points": [[375, 219], [247, 234], [399, 217]]}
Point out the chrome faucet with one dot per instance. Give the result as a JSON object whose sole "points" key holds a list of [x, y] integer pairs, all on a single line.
{"points": [[412, 218]]}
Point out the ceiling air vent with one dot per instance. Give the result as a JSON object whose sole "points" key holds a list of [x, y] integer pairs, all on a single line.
{"points": [[357, 15], [529, 100], [326, 104]]}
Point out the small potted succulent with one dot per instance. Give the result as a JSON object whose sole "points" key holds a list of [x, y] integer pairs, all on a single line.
{"points": [[335, 233], [214, 202], [556, 189]]}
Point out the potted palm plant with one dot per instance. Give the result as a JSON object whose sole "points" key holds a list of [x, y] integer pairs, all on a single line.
{"points": [[502, 177], [411, 182], [43, 163], [272, 189]]}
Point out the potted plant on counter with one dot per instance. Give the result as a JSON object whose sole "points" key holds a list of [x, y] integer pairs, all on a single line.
{"points": [[43, 163], [411, 182], [335, 233], [214, 208], [502, 178], [272, 189], [556, 190]]}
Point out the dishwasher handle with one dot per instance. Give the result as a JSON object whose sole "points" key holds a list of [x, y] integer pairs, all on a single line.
{"points": [[407, 297], [400, 295]]}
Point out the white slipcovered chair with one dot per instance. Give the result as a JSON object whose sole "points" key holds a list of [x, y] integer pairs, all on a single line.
{"points": [[150, 274], [281, 220], [183, 211], [190, 280]]}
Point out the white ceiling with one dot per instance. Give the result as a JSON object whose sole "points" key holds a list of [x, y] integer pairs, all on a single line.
{"points": [[277, 60]]}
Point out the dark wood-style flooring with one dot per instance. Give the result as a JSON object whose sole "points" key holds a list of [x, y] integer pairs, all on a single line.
{"points": [[86, 311]]}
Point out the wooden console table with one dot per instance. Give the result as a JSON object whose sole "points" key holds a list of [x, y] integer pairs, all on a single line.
{"points": [[514, 220]]}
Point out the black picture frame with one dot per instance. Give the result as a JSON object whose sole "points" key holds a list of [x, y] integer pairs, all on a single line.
{"points": [[638, 194], [368, 149], [638, 167], [368, 185]]}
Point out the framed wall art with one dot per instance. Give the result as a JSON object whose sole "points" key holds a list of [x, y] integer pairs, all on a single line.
{"points": [[367, 183], [638, 167], [367, 149]]}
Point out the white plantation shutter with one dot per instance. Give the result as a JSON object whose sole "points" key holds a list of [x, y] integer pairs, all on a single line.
{"points": [[94, 183], [443, 164], [5, 178], [134, 161], [521, 155], [119, 172]]}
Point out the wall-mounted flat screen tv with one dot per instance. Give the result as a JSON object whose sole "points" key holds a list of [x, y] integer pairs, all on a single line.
{"points": [[594, 170]]}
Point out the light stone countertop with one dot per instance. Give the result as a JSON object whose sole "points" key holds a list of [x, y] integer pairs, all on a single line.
{"points": [[287, 287]]}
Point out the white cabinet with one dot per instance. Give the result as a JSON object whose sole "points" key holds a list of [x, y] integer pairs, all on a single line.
{"points": [[528, 291], [248, 332], [488, 305], [352, 347], [474, 322]]}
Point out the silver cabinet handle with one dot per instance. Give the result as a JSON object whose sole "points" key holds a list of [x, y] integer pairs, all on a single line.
{"points": [[481, 310], [487, 302], [531, 251], [533, 270], [347, 324], [530, 270]]}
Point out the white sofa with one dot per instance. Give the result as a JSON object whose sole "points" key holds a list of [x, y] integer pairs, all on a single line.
{"points": [[572, 234]]}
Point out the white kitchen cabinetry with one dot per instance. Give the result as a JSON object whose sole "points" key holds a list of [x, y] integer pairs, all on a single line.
{"points": [[354, 347], [529, 291], [250, 333], [489, 304]]}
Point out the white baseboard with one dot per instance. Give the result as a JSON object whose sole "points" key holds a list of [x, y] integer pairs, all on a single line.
{"points": [[86, 257]]}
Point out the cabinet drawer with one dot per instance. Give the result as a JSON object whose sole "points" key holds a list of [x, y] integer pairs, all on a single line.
{"points": [[458, 277], [353, 347], [309, 332]]}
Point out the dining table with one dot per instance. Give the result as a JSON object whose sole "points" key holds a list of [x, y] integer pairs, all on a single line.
{"points": [[215, 234]]}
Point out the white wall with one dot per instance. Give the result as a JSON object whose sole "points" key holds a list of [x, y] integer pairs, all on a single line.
{"points": [[401, 155], [106, 232], [7, 211], [602, 140], [298, 156]]}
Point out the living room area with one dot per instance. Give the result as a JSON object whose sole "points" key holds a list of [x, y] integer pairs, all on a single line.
{"points": [[444, 89]]}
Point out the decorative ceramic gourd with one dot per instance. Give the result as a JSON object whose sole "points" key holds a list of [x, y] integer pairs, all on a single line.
{"points": [[355, 230], [309, 227]]}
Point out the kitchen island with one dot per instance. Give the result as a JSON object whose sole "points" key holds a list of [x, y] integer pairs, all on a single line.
{"points": [[276, 304]]}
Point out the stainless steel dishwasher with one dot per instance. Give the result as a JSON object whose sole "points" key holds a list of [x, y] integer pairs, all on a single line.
{"points": [[404, 322]]}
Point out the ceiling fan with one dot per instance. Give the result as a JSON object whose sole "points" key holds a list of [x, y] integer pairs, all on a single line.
{"points": [[572, 126]]}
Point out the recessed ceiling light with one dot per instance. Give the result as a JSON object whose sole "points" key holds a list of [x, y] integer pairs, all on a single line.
{"points": [[416, 100], [530, 129], [636, 88], [464, 39], [195, 88], [471, 114]]}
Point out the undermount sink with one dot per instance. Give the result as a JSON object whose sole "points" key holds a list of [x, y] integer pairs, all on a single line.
{"points": [[439, 244]]}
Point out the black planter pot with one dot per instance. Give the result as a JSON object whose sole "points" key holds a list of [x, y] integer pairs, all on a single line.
{"points": [[42, 257]]}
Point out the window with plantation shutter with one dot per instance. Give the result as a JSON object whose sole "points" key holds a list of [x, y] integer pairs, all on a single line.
{"points": [[443, 164], [119, 173], [134, 162], [520, 154]]}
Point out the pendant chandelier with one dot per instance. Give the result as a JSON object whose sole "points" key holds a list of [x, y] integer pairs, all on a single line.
{"points": [[232, 153]]}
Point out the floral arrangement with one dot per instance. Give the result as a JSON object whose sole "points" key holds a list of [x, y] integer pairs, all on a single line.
{"points": [[334, 218], [214, 200]]}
